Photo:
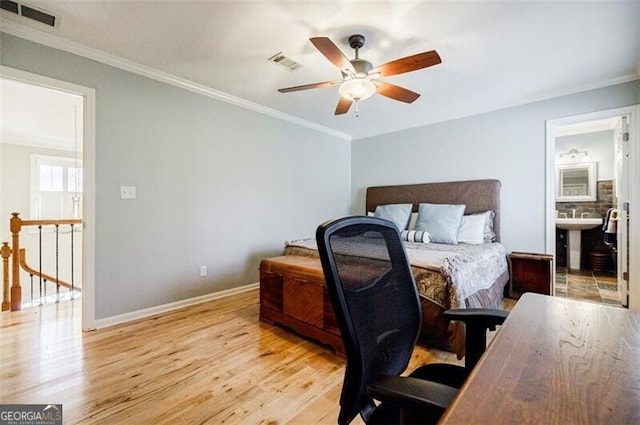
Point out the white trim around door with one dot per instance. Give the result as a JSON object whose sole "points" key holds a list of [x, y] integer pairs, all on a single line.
{"points": [[633, 112], [89, 160]]}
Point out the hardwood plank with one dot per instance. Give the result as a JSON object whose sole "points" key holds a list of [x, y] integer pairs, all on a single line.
{"points": [[210, 363]]}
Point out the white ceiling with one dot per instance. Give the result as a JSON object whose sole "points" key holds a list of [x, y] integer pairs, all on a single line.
{"points": [[494, 54], [39, 116]]}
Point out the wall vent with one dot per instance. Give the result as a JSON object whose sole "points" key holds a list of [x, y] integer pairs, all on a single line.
{"points": [[284, 61], [28, 12]]}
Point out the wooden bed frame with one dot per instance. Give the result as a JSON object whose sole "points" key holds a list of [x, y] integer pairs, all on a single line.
{"points": [[286, 284]]}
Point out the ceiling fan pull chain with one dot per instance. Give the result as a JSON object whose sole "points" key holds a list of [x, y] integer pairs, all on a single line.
{"points": [[357, 110]]}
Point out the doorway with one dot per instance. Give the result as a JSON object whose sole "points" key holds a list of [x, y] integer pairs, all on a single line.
{"points": [[590, 186], [49, 160]]}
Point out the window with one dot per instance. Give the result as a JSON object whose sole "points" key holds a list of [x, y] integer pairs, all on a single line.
{"points": [[56, 187]]}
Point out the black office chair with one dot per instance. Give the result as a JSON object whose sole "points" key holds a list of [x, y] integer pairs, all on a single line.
{"points": [[377, 308]]}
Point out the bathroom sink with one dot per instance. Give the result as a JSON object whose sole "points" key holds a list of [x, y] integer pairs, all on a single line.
{"points": [[575, 226], [578, 223]]}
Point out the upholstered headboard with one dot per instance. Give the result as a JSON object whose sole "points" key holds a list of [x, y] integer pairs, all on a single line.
{"points": [[477, 195]]}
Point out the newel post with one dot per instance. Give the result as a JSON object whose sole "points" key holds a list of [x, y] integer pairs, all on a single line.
{"points": [[16, 289], [5, 252]]}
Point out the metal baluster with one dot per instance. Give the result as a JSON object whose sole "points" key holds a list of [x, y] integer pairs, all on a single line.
{"points": [[57, 277], [31, 279], [72, 285], [40, 263]]}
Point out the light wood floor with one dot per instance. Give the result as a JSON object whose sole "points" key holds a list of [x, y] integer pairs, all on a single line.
{"points": [[212, 363]]}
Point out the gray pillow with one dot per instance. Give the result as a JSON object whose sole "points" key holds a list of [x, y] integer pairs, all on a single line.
{"points": [[442, 221], [489, 234], [399, 214]]}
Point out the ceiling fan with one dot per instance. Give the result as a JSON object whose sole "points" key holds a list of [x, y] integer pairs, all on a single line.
{"points": [[360, 80]]}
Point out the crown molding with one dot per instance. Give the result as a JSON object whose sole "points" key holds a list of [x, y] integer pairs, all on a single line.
{"points": [[37, 140], [53, 41], [634, 76]]}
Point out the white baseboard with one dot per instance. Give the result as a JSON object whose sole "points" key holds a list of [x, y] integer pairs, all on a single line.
{"points": [[166, 308]]}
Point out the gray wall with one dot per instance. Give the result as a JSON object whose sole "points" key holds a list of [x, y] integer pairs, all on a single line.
{"points": [[508, 144], [217, 185], [598, 144]]}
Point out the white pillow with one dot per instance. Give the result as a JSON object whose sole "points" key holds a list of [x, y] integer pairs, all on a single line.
{"points": [[413, 220], [489, 234], [472, 229]]}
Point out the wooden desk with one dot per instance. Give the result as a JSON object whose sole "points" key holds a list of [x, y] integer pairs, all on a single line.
{"points": [[556, 361]]}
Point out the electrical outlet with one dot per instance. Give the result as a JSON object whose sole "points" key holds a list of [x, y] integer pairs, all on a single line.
{"points": [[203, 271], [127, 192]]}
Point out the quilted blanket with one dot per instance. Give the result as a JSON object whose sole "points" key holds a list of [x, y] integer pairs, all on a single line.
{"points": [[444, 274]]}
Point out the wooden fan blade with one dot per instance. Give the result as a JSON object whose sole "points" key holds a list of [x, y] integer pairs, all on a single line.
{"points": [[396, 92], [343, 106], [331, 52], [310, 86], [408, 64]]}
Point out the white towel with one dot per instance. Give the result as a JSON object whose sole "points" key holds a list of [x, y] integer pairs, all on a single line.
{"points": [[612, 225]]}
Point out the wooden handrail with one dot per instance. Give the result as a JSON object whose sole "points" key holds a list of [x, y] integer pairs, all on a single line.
{"points": [[48, 278], [50, 222]]}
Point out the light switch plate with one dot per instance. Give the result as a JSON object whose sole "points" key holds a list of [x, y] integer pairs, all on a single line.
{"points": [[127, 192]]}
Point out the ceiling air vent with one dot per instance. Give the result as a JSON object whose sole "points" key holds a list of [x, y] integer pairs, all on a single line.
{"points": [[284, 61], [37, 15], [9, 5], [29, 12]]}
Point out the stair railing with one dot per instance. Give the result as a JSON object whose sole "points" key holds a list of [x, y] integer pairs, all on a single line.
{"points": [[12, 297]]}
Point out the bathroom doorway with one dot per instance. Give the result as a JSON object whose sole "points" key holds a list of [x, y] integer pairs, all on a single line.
{"points": [[589, 193]]}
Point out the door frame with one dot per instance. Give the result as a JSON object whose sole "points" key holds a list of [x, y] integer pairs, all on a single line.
{"points": [[633, 112], [89, 159]]}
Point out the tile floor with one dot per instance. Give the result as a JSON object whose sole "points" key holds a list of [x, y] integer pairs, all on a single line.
{"points": [[587, 285]]}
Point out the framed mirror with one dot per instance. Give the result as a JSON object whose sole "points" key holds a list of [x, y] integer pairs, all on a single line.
{"points": [[576, 182]]}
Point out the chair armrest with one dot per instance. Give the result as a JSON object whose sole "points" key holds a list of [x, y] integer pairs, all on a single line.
{"points": [[412, 393], [480, 317]]}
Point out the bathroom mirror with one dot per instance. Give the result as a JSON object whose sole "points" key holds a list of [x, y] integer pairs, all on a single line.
{"points": [[576, 182]]}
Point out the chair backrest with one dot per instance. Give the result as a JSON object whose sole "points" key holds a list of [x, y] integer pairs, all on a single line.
{"points": [[375, 301]]}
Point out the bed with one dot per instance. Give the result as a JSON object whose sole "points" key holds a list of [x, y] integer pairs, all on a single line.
{"points": [[447, 275]]}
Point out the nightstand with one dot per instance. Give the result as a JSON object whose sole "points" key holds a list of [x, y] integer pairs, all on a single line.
{"points": [[530, 272]]}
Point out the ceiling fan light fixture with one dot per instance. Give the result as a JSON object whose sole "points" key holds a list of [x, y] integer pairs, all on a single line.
{"points": [[357, 89], [359, 77]]}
